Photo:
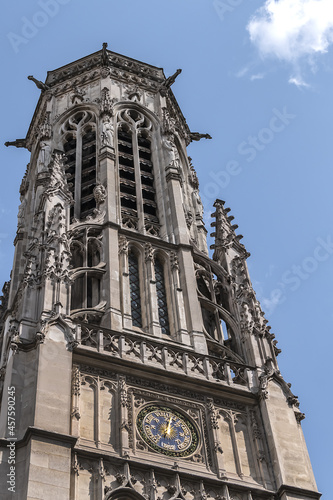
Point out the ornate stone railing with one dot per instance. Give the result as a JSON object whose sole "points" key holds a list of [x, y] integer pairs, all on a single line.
{"points": [[166, 356]]}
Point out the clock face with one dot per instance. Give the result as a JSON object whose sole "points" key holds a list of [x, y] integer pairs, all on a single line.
{"points": [[167, 431]]}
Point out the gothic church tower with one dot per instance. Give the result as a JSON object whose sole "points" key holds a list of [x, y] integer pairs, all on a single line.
{"points": [[140, 368]]}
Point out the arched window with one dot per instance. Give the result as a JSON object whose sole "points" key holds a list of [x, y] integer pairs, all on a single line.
{"points": [[134, 279], [136, 172], [162, 303], [79, 139], [87, 272]]}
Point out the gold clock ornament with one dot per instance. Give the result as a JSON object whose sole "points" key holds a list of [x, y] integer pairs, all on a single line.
{"points": [[167, 431]]}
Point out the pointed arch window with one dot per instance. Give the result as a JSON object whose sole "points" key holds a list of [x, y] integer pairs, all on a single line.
{"points": [[136, 172], [87, 270], [79, 140], [162, 304], [134, 279]]}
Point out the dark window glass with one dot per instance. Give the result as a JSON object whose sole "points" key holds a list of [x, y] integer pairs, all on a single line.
{"points": [[77, 295], [134, 279], [93, 291], [93, 254], [161, 297]]}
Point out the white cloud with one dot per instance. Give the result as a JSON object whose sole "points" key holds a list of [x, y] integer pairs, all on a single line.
{"points": [[292, 29], [269, 304], [258, 76], [242, 72], [298, 81]]}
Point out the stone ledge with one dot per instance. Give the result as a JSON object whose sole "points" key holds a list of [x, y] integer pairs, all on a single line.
{"points": [[304, 494], [32, 432]]}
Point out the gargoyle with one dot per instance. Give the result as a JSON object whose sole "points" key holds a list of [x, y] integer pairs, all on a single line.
{"points": [[18, 143], [168, 82], [195, 136], [40, 85]]}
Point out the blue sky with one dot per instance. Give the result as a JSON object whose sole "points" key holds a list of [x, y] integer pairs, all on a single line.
{"points": [[258, 77]]}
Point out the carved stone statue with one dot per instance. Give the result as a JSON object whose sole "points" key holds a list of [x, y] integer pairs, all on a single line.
{"points": [[104, 57], [44, 156], [21, 214], [197, 203], [78, 95], [57, 172], [193, 178], [99, 193], [171, 153], [107, 134]]}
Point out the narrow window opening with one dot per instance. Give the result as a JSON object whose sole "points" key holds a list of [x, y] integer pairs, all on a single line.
{"points": [[162, 304], [77, 257], [93, 291], [126, 172], [147, 180], [209, 322], [148, 195], [70, 164], [224, 328], [88, 174], [134, 278], [77, 295], [93, 254], [149, 209]]}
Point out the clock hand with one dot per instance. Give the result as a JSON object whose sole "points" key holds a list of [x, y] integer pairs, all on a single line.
{"points": [[169, 426], [167, 430]]}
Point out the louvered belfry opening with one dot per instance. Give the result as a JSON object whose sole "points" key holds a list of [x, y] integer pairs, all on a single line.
{"points": [[70, 162], [147, 181], [88, 172], [136, 172], [127, 174], [79, 144]]}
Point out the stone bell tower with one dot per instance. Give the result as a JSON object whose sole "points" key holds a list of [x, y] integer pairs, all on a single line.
{"points": [[133, 365]]}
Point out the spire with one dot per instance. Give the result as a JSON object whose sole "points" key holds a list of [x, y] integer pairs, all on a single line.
{"points": [[225, 234]]}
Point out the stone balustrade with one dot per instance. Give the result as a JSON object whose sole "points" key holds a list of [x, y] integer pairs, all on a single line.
{"points": [[165, 355]]}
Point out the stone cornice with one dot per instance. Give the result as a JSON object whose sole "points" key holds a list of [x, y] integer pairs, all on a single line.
{"points": [[107, 152], [94, 60], [303, 493], [37, 432]]}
